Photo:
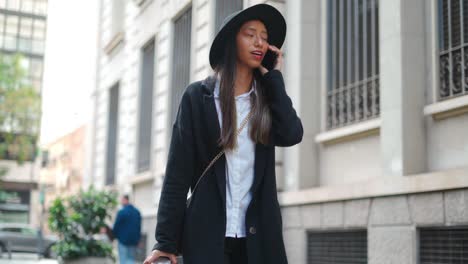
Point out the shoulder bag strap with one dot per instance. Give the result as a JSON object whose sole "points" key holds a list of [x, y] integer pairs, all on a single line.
{"points": [[242, 125]]}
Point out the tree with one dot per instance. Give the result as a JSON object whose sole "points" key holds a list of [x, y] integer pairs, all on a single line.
{"points": [[19, 112]]}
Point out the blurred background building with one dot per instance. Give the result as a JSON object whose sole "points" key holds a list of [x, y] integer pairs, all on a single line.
{"points": [[22, 31], [62, 167], [381, 86]]}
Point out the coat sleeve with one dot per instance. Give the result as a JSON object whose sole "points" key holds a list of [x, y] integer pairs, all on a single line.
{"points": [[287, 127], [178, 177], [117, 224]]}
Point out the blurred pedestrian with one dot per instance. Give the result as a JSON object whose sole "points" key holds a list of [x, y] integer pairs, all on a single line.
{"points": [[127, 231], [223, 150]]}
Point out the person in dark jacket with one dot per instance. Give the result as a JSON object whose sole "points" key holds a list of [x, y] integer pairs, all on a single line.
{"points": [[127, 230], [233, 216]]}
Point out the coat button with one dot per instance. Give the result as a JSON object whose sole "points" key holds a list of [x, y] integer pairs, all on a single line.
{"points": [[252, 230]]}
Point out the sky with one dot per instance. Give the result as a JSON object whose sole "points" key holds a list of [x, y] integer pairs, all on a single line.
{"points": [[69, 69]]}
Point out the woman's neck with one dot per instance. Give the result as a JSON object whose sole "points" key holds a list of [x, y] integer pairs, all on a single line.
{"points": [[243, 81]]}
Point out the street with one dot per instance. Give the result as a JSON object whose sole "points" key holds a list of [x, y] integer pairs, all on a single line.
{"points": [[24, 258]]}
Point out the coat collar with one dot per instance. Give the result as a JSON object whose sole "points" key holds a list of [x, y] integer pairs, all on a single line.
{"points": [[213, 131], [210, 114]]}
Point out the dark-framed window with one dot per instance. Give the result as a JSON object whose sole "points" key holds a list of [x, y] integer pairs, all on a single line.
{"points": [[353, 62], [181, 59], [146, 107], [453, 48], [112, 134], [225, 8]]}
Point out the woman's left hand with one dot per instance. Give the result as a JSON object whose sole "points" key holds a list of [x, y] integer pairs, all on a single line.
{"points": [[278, 61]]}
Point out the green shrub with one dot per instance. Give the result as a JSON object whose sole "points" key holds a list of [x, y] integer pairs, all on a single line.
{"points": [[77, 219]]}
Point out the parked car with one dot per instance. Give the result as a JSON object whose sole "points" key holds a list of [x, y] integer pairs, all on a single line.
{"points": [[24, 238]]}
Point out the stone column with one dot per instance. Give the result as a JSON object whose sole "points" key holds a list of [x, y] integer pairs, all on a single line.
{"points": [[402, 70], [302, 77]]}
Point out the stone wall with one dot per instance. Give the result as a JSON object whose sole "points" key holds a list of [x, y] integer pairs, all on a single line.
{"points": [[391, 222]]}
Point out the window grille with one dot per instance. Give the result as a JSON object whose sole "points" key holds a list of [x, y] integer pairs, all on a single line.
{"points": [[337, 247], [353, 62], [181, 61], [443, 245], [146, 107], [453, 48], [112, 133]]}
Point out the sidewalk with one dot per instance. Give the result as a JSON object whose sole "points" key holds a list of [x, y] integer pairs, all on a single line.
{"points": [[24, 258]]}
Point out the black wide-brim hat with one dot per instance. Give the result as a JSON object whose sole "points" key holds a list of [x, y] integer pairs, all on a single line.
{"points": [[270, 16]]}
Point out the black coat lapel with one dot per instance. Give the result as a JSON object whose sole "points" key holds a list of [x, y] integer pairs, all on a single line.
{"points": [[213, 131]]}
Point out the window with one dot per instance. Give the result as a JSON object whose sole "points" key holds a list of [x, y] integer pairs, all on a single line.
{"points": [[36, 68], [37, 84], [337, 247], [12, 151], [225, 8], [38, 46], [26, 27], [40, 7], [146, 107], [2, 23], [25, 45], [27, 6], [112, 134], [443, 245], [39, 29], [45, 158], [13, 4], [353, 62], [10, 42], [12, 25], [181, 59], [12, 229], [453, 48]]}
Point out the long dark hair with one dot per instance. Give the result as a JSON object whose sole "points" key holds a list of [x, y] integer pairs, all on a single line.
{"points": [[260, 123]]}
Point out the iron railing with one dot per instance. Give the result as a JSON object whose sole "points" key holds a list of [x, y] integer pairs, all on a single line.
{"points": [[453, 45], [353, 93]]}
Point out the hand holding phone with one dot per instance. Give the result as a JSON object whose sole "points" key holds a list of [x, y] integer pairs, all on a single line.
{"points": [[273, 60]]}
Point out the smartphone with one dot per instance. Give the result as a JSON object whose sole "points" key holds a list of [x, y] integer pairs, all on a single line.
{"points": [[269, 60]]}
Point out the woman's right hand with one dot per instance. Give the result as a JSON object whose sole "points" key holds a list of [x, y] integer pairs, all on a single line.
{"points": [[156, 254]]}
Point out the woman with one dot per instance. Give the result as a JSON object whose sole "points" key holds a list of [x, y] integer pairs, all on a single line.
{"points": [[234, 215]]}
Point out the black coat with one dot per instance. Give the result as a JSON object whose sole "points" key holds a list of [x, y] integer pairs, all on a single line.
{"points": [[193, 145]]}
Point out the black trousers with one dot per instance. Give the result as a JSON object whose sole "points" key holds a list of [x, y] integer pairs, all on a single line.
{"points": [[235, 250]]}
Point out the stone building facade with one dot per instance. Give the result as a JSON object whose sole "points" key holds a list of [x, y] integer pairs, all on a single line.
{"points": [[381, 88]]}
